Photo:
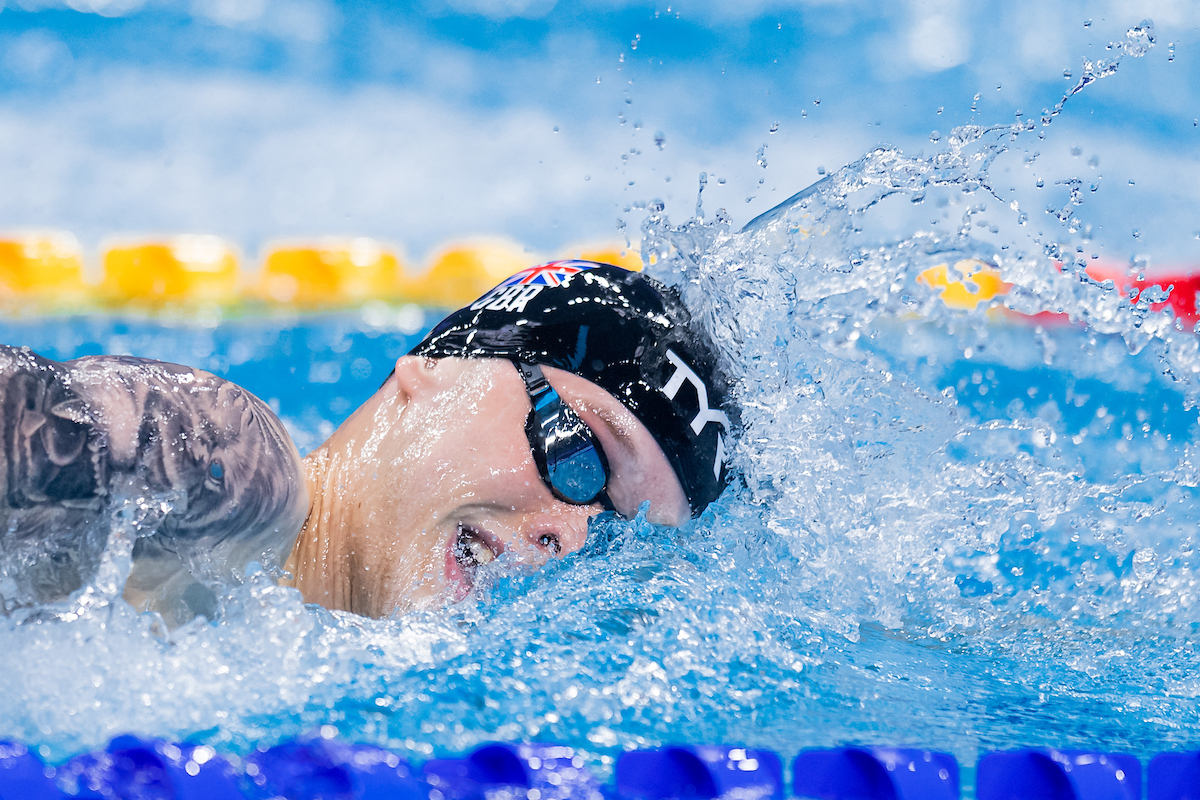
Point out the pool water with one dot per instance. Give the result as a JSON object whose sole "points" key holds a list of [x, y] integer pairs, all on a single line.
{"points": [[962, 530]]}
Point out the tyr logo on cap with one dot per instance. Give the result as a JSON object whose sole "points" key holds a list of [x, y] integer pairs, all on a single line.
{"points": [[705, 415]]}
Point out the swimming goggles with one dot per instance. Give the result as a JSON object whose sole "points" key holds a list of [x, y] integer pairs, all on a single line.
{"points": [[568, 457]]}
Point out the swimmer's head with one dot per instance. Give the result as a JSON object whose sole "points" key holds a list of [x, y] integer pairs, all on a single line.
{"points": [[569, 389], [620, 330]]}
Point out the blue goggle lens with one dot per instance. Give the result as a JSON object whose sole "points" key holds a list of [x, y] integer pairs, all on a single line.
{"points": [[569, 459]]}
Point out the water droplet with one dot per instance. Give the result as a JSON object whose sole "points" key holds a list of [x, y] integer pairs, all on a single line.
{"points": [[556, 129], [1076, 151], [660, 139], [1131, 181], [816, 101], [721, 181], [774, 127], [597, 79], [761, 155], [587, 177], [1067, 74], [935, 136], [940, 109], [803, 114], [621, 58], [1087, 23], [1094, 162], [820, 170], [780, 26], [1040, 183], [1170, 52], [998, 86]]}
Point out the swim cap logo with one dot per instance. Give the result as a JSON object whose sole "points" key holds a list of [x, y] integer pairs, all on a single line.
{"points": [[706, 415], [508, 298], [515, 292]]}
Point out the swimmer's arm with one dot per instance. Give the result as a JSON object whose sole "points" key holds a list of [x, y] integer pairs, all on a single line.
{"points": [[219, 456], [49, 439], [186, 431], [76, 434]]}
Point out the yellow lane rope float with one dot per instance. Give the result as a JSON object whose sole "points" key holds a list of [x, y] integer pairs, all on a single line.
{"points": [[46, 271]]}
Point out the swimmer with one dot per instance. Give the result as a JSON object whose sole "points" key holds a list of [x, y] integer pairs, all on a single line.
{"points": [[570, 389]]}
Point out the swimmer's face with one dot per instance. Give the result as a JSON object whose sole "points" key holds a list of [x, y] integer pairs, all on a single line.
{"points": [[435, 479]]}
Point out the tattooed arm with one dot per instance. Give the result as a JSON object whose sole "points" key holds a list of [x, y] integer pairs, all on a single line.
{"points": [[82, 436]]}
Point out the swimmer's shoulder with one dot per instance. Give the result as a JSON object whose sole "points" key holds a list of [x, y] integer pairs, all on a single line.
{"points": [[171, 427], [78, 438]]}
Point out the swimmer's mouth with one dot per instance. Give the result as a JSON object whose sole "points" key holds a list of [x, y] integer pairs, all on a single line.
{"points": [[470, 549]]}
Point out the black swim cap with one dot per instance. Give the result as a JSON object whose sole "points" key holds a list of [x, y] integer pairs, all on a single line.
{"points": [[624, 332]]}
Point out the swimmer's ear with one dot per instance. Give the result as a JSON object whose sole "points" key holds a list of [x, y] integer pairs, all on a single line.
{"points": [[413, 376]]}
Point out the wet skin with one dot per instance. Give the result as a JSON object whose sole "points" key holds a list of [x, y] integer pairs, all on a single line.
{"points": [[433, 477]]}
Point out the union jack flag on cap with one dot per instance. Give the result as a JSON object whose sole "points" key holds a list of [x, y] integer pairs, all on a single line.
{"points": [[551, 274]]}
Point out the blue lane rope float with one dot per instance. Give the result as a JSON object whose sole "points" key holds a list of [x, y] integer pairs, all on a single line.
{"points": [[325, 768], [320, 768], [1027, 774], [1173, 776], [131, 767], [705, 771], [23, 775], [534, 771], [899, 773]]}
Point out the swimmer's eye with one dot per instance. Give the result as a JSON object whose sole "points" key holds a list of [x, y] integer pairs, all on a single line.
{"points": [[551, 543]]}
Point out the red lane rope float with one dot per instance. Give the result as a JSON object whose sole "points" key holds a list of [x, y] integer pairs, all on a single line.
{"points": [[1183, 286]]}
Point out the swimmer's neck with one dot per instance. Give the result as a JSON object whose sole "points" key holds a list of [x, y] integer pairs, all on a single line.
{"points": [[311, 561], [320, 562]]}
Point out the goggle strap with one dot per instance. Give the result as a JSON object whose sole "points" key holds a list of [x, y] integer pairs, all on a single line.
{"points": [[535, 380]]}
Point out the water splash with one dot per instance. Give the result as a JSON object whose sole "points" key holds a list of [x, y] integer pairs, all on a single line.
{"points": [[953, 529], [1137, 43]]}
